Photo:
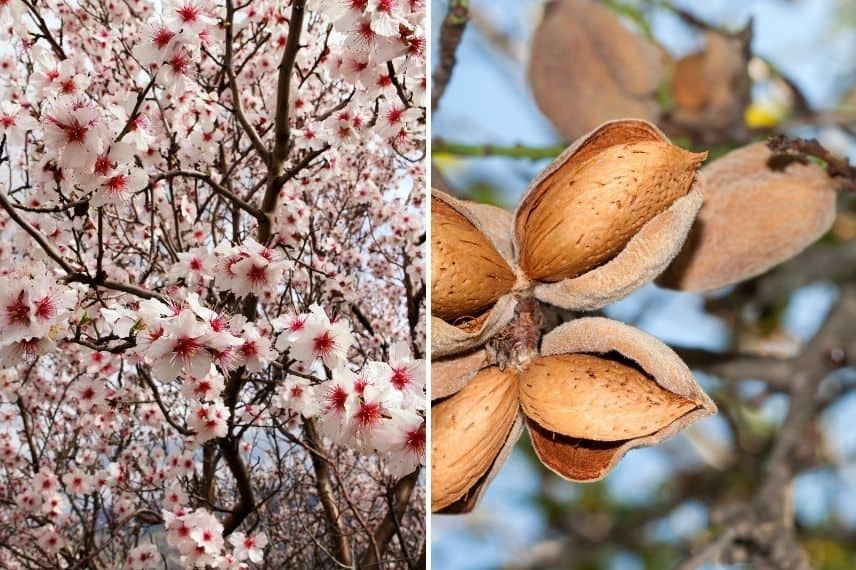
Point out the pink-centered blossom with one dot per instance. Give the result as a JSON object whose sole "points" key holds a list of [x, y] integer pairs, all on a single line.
{"points": [[322, 339], [248, 546], [15, 121], [73, 130]]}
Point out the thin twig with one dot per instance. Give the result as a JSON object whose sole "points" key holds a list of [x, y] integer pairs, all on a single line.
{"points": [[451, 32]]}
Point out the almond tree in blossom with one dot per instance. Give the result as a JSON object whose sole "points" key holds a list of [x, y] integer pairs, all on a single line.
{"points": [[211, 283]]}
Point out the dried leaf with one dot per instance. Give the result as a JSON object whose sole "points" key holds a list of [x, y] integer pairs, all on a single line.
{"points": [[469, 430], [586, 67], [753, 218]]}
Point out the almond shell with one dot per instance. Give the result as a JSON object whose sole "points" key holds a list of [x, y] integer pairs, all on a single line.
{"points": [[580, 459], [753, 218]]}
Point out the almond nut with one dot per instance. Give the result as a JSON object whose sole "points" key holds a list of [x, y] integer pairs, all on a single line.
{"points": [[711, 88], [752, 219], [468, 430], [613, 72], [468, 273], [591, 397], [586, 211]]}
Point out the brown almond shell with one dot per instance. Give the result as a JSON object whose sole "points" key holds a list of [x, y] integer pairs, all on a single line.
{"points": [[580, 459], [595, 397], [467, 503], [465, 334], [613, 72], [710, 88], [753, 218], [469, 274], [645, 254], [469, 432]]}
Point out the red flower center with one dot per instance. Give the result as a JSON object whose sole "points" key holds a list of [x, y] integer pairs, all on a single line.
{"points": [[336, 398], [400, 379], [67, 86], [75, 132], [117, 184], [188, 13], [19, 311], [368, 414], [186, 347], [162, 37], [257, 274], [103, 165], [415, 441], [324, 343]]}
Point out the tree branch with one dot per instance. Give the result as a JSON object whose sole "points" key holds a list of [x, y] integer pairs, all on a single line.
{"points": [[763, 530], [218, 188], [238, 107], [451, 32], [399, 499], [34, 233], [341, 546], [282, 130], [439, 146]]}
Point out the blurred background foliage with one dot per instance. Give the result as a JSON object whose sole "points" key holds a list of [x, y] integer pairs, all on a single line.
{"points": [[660, 504]]}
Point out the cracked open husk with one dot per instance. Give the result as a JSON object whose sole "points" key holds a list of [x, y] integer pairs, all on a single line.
{"points": [[753, 218], [450, 375], [607, 216], [599, 389], [471, 273], [653, 414]]}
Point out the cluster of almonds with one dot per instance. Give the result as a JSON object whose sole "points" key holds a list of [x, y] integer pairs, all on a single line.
{"points": [[617, 209], [616, 72]]}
